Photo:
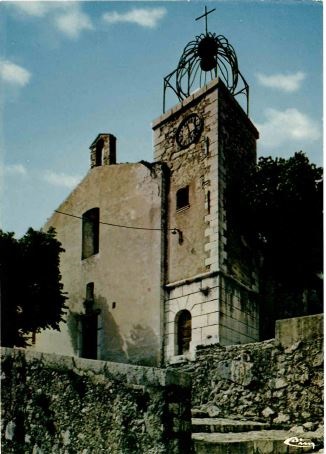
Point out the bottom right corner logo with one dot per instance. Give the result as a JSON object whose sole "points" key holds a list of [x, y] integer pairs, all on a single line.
{"points": [[300, 443]]}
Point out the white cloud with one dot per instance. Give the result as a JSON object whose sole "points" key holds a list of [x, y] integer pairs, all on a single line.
{"points": [[14, 169], [285, 126], [61, 179], [284, 82], [37, 9], [140, 16], [14, 74], [53, 178], [66, 16], [73, 23]]}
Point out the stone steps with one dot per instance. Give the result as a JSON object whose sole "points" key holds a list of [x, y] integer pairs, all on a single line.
{"points": [[236, 436], [223, 425], [253, 442]]}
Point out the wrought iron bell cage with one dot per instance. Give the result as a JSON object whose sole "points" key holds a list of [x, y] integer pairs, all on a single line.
{"points": [[205, 58]]}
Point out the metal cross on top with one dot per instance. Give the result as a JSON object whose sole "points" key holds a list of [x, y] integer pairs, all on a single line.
{"points": [[205, 15]]}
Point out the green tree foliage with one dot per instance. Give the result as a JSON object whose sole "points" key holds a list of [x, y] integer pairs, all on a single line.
{"points": [[32, 296], [286, 220]]}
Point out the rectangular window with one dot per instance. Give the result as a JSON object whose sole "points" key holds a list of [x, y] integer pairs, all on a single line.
{"points": [[182, 198], [90, 232]]}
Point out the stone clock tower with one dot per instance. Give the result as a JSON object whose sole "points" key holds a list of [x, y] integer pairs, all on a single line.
{"points": [[206, 141]]}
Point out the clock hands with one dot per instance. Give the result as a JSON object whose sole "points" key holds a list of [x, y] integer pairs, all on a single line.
{"points": [[189, 130]]}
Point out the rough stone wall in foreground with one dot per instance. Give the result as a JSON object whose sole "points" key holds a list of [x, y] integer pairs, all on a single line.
{"points": [[270, 381], [57, 404]]}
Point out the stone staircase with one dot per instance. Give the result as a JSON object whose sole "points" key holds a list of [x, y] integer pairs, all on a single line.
{"points": [[234, 436]]}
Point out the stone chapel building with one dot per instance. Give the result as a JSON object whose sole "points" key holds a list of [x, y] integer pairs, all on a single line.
{"points": [[152, 266]]}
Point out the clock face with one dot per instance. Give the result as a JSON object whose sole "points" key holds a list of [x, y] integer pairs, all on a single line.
{"points": [[189, 130]]}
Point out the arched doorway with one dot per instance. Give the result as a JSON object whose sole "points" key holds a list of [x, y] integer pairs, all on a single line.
{"points": [[183, 332]]}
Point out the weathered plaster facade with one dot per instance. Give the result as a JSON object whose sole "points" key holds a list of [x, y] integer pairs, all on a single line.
{"points": [[126, 271], [212, 273]]}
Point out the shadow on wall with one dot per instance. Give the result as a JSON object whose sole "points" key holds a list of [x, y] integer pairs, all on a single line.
{"points": [[72, 325], [141, 347], [112, 346]]}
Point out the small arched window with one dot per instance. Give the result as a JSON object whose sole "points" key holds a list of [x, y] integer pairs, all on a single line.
{"points": [[183, 321]]}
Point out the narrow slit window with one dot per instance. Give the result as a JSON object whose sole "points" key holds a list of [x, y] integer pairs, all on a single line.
{"points": [[90, 232], [182, 199]]}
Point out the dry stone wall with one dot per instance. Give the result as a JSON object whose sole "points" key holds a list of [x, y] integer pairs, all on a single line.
{"points": [[271, 381], [56, 404]]}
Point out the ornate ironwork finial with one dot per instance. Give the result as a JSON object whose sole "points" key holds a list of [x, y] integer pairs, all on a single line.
{"points": [[205, 15], [203, 59]]}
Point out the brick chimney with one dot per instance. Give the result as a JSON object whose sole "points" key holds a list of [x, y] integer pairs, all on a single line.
{"points": [[103, 150]]}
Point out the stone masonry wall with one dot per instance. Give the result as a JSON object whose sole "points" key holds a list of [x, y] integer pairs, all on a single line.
{"points": [[237, 154], [199, 279], [195, 167], [269, 381], [57, 404]]}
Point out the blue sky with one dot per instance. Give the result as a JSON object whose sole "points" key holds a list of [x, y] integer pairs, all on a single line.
{"points": [[70, 70]]}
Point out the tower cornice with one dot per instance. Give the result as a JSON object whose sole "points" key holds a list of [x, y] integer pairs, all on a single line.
{"points": [[186, 104]]}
